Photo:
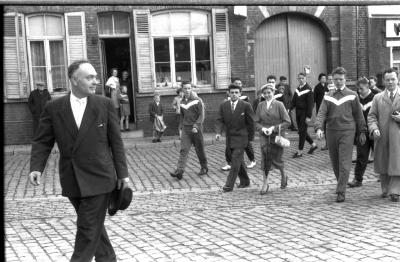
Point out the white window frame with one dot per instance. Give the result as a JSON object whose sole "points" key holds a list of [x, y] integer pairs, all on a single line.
{"points": [[114, 35], [46, 40], [191, 37], [392, 61]]}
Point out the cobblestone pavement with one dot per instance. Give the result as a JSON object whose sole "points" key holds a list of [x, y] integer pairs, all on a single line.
{"points": [[193, 220]]}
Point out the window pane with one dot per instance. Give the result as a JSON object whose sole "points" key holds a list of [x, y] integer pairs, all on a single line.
{"points": [[121, 23], [396, 53], [36, 26], [53, 26], [180, 23], [160, 24], [105, 24], [202, 47], [38, 62], [161, 50], [203, 73], [183, 71], [182, 49], [57, 66], [163, 74], [199, 24]]}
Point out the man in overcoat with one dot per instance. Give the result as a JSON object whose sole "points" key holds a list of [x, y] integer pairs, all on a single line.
{"points": [[36, 102], [384, 125], [92, 162], [238, 118]]}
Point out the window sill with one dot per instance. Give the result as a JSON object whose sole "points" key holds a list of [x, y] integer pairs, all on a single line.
{"points": [[202, 90]]}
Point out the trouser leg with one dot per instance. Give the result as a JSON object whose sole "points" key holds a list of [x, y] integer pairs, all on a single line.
{"points": [[302, 126], [250, 151], [362, 160], [346, 140], [385, 180], [186, 143], [91, 236], [333, 148], [237, 161], [228, 156], [198, 142]]}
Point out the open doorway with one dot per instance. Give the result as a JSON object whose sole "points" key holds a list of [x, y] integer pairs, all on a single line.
{"points": [[116, 53]]}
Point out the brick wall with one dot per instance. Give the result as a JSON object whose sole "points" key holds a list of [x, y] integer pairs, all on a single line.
{"points": [[348, 41], [18, 123], [362, 41]]}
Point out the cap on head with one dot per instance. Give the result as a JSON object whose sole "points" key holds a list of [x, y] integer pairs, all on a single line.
{"points": [[267, 86]]}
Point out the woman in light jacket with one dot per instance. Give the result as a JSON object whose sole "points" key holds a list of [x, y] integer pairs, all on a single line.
{"points": [[271, 114]]}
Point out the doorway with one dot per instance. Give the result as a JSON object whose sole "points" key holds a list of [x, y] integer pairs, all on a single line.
{"points": [[116, 53]]}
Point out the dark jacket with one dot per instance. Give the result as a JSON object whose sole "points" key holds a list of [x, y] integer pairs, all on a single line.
{"points": [[37, 101], [155, 110], [257, 101], [303, 100], [91, 158], [319, 93], [366, 103], [192, 112], [239, 125]]}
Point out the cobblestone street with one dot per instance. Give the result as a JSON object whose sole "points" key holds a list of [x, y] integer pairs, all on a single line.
{"points": [[193, 220]]}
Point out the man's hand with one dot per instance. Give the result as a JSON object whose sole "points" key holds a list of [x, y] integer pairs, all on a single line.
{"points": [[217, 137], [34, 177], [320, 134], [264, 130], [122, 181], [396, 118], [308, 120], [362, 138], [376, 133], [194, 130]]}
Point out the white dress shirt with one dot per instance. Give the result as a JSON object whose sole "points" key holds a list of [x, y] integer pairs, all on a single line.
{"points": [[234, 104], [78, 107]]}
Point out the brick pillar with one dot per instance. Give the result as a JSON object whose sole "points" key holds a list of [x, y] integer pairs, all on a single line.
{"points": [[362, 41], [348, 41]]}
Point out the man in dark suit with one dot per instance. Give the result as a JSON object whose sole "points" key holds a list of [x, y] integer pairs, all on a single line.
{"points": [[36, 102], [92, 158], [238, 118]]}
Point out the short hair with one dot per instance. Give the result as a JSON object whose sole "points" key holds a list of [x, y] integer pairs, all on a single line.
{"points": [[302, 74], [362, 80], [75, 65], [339, 71], [186, 82], [236, 78], [232, 86], [178, 90], [271, 77], [373, 78], [112, 70], [281, 78], [321, 75], [390, 70]]}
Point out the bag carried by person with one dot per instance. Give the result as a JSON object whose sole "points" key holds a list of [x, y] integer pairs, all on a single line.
{"points": [[280, 140], [159, 124]]}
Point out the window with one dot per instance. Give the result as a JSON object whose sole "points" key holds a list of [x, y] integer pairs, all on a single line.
{"points": [[46, 50], [113, 24], [182, 50], [395, 57]]}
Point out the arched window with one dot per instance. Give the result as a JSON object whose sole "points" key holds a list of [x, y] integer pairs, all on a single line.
{"points": [[182, 48], [46, 51]]}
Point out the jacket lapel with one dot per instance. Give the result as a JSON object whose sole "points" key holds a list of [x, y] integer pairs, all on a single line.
{"points": [[89, 116], [238, 108], [67, 116], [386, 98]]}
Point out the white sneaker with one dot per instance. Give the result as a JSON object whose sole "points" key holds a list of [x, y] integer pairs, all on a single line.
{"points": [[226, 168], [252, 164]]}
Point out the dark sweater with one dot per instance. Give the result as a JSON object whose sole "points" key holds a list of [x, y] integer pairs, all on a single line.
{"points": [[319, 92], [366, 103], [303, 100]]}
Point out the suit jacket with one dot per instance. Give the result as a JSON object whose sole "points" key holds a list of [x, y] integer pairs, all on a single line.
{"points": [[239, 124], [91, 158]]}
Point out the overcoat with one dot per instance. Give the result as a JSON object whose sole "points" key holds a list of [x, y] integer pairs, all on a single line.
{"points": [[387, 146], [91, 157]]}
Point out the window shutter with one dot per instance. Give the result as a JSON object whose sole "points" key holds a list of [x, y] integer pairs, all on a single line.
{"points": [[221, 48], [15, 66], [75, 36], [143, 50]]}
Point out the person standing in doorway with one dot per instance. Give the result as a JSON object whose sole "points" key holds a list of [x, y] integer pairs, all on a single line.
{"points": [[341, 117], [384, 125], [236, 116], [125, 108], [92, 158], [114, 86], [192, 118], [36, 102], [303, 102]]}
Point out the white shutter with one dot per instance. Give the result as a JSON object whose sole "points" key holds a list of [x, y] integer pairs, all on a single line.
{"points": [[75, 36], [15, 66], [143, 50], [221, 48]]}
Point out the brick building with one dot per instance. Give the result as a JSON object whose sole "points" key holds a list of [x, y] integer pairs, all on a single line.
{"points": [[159, 45]]}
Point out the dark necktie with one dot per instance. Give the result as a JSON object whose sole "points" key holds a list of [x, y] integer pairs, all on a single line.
{"points": [[233, 107], [391, 96]]}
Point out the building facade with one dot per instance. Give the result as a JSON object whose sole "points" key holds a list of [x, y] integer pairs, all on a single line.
{"points": [[162, 45]]}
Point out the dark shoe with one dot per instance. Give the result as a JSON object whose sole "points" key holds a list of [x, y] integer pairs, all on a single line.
{"points": [[158, 140], [370, 161], [243, 185], [312, 149], [354, 183], [226, 189], [264, 192], [154, 140], [384, 195], [284, 181], [297, 155], [178, 174], [394, 198], [324, 148], [122, 130], [340, 197], [354, 161], [203, 171], [127, 129]]}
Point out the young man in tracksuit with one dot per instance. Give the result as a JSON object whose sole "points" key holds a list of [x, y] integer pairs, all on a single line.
{"points": [[303, 101], [344, 118], [192, 118], [366, 96]]}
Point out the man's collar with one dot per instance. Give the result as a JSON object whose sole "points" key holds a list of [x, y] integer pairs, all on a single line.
{"points": [[394, 91], [301, 86], [74, 98]]}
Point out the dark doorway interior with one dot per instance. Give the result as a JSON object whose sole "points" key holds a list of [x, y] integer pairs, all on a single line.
{"points": [[117, 54]]}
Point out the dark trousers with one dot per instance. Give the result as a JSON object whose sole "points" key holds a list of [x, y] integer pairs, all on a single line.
{"points": [[249, 152], [340, 145], [91, 238], [187, 140], [238, 168], [292, 115], [302, 126], [35, 124], [362, 158]]}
